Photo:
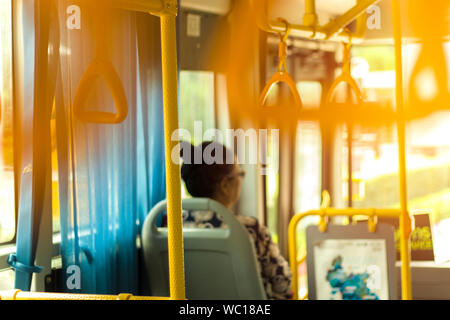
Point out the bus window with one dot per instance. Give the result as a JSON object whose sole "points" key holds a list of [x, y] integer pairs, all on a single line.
{"points": [[197, 111], [197, 107], [308, 152], [375, 153], [7, 279], [308, 169], [7, 202]]}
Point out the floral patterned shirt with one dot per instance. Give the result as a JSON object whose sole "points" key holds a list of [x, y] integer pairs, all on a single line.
{"points": [[275, 270]]}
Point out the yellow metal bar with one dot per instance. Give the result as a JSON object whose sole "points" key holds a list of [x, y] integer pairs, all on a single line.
{"points": [[310, 17], [173, 172], [22, 295], [330, 31], [405, 219], [292, 244], [329, 212], [361, 24], [337, 24]]}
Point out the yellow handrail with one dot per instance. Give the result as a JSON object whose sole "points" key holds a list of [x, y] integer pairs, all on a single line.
{"points": [[405, 219], [22, 295], [333, 212], [173, 171]]}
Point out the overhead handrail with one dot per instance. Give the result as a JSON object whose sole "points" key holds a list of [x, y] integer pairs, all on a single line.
{"points": [[282, 76], [326, 199], [100, 67], [333, 30]]}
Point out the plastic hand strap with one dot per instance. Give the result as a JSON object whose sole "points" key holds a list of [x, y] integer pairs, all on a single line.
{"points": [[344, 78], [104, 69], [282, 48], [281, 77], [100, 67]]}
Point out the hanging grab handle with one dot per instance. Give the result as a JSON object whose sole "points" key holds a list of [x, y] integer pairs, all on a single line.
{"points": [[429, 23], [104, 69], [282, 76], [100, 67], [431, 58], [345, 77]]}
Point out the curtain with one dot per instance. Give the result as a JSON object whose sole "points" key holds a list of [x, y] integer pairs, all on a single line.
{"points": [[110, 175]]}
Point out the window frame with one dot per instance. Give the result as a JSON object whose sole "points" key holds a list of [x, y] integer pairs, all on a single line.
{"points": [[14, 145]]}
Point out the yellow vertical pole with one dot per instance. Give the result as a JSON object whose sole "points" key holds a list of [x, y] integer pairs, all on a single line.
{"points": [[292, 234], [405, 220], [173, 174], [310, 17]]}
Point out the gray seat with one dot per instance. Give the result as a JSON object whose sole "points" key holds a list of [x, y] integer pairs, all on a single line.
{"points": [[220, 264]]}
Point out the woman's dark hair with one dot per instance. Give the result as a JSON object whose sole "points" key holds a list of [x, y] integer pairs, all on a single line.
{"points": [[204, 166]]}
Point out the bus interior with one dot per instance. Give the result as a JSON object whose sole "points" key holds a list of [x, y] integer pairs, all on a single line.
{"points": [[338, 112]]}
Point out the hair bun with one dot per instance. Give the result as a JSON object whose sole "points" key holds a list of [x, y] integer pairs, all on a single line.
{"points": [[201, 178]]}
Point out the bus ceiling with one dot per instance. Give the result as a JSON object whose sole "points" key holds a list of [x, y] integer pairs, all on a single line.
{"points": [[219, 7]]}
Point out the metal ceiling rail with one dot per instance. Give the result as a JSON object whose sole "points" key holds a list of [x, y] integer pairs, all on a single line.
{"points": [[333, 30]]}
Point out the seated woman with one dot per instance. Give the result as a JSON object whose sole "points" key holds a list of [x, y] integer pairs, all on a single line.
{"points": [[221, 181]]}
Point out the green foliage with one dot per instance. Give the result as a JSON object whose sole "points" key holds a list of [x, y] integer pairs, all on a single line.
{"points": [[380, 58], [196, 101]]}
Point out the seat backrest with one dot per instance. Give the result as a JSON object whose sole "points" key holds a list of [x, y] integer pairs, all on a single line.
{"points": [[220, 264]]}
